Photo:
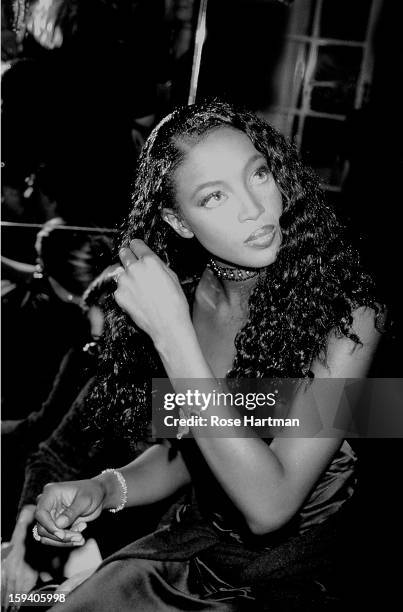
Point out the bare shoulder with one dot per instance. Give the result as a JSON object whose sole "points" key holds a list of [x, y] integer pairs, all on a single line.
{"points": [[346, 358]]}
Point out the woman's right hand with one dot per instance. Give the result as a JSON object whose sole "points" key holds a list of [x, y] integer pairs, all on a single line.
{"points": [[63, 510]]}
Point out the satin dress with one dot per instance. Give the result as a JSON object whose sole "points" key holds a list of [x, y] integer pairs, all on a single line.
{"points": [[204, 558]]}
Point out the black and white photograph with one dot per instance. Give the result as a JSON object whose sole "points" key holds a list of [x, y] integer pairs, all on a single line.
{"points": [[202, 322]]}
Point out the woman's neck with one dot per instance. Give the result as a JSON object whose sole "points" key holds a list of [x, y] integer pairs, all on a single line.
{"points": [[236, 283], [220, 292]]}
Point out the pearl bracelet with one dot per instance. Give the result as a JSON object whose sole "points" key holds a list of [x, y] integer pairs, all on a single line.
{"points": [[123, 484]]}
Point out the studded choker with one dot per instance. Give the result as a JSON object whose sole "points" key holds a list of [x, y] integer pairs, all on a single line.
{"points": [[231, 274]]}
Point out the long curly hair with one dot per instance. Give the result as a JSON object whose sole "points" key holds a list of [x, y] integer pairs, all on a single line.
{"points": [[312, 288]]}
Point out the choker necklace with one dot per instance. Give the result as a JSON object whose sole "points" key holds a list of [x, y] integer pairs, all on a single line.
{"points": [[231, 274]]}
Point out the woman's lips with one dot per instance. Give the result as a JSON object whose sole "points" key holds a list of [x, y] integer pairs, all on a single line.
{"points": [[262, 238]]}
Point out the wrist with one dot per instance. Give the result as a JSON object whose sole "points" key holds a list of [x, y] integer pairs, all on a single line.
{"points": [[114, 489], [182, 356], [174, 331], [175, 339]]}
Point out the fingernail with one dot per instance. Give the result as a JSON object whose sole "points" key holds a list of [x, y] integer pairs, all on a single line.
{"points": [[81, 526], [59, 534], [76, 538]]}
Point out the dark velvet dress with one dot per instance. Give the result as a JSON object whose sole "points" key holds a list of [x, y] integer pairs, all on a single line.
{"points": [[204, 558]]}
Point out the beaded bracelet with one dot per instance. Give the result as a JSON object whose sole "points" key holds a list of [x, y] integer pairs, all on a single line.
{"points": [[123, 484]]}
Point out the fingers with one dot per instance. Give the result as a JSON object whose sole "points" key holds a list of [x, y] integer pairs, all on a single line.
{"points": [[79, 525], [53, 524], [46, 524], [69, 515], [136, 251], [65, 537], [68, 543], [127, 257], [139, 248]]}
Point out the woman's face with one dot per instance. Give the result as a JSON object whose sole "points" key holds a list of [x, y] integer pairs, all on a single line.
{"points": [[228, 199]]}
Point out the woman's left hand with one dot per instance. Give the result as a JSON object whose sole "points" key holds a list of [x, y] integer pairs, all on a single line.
{"points": [[150, 292]]}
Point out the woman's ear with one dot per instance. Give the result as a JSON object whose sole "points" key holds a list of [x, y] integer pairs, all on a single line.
{"points": [[177, 222]]}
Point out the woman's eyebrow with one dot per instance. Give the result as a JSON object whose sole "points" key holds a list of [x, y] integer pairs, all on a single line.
{"points": [[251, 160], [255, 157], [207, 184]]}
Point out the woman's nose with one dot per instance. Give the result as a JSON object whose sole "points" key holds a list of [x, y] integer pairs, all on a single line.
{"points": [[250, 207]]}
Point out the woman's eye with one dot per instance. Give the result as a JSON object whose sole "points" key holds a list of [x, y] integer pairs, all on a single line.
{"points": [[213, 199], [261, 174]]}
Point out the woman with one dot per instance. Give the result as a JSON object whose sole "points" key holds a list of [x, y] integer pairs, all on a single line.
{"points": [[232, 266]]}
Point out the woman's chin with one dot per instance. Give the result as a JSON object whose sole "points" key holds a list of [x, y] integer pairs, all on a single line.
{"points": [[256, 263]]}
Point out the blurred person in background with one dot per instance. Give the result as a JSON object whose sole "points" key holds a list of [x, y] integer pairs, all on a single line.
{"points": [[20, 437], [43, 315]]}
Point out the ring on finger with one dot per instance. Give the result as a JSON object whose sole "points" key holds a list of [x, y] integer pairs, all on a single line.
{"points": [[35, 533]]}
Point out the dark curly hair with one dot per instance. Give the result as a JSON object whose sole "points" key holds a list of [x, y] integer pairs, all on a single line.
{"points": [[312, 288]]}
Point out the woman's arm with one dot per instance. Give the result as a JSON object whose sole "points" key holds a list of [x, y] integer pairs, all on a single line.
{"points": [[267, 484], [151, 477]]}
